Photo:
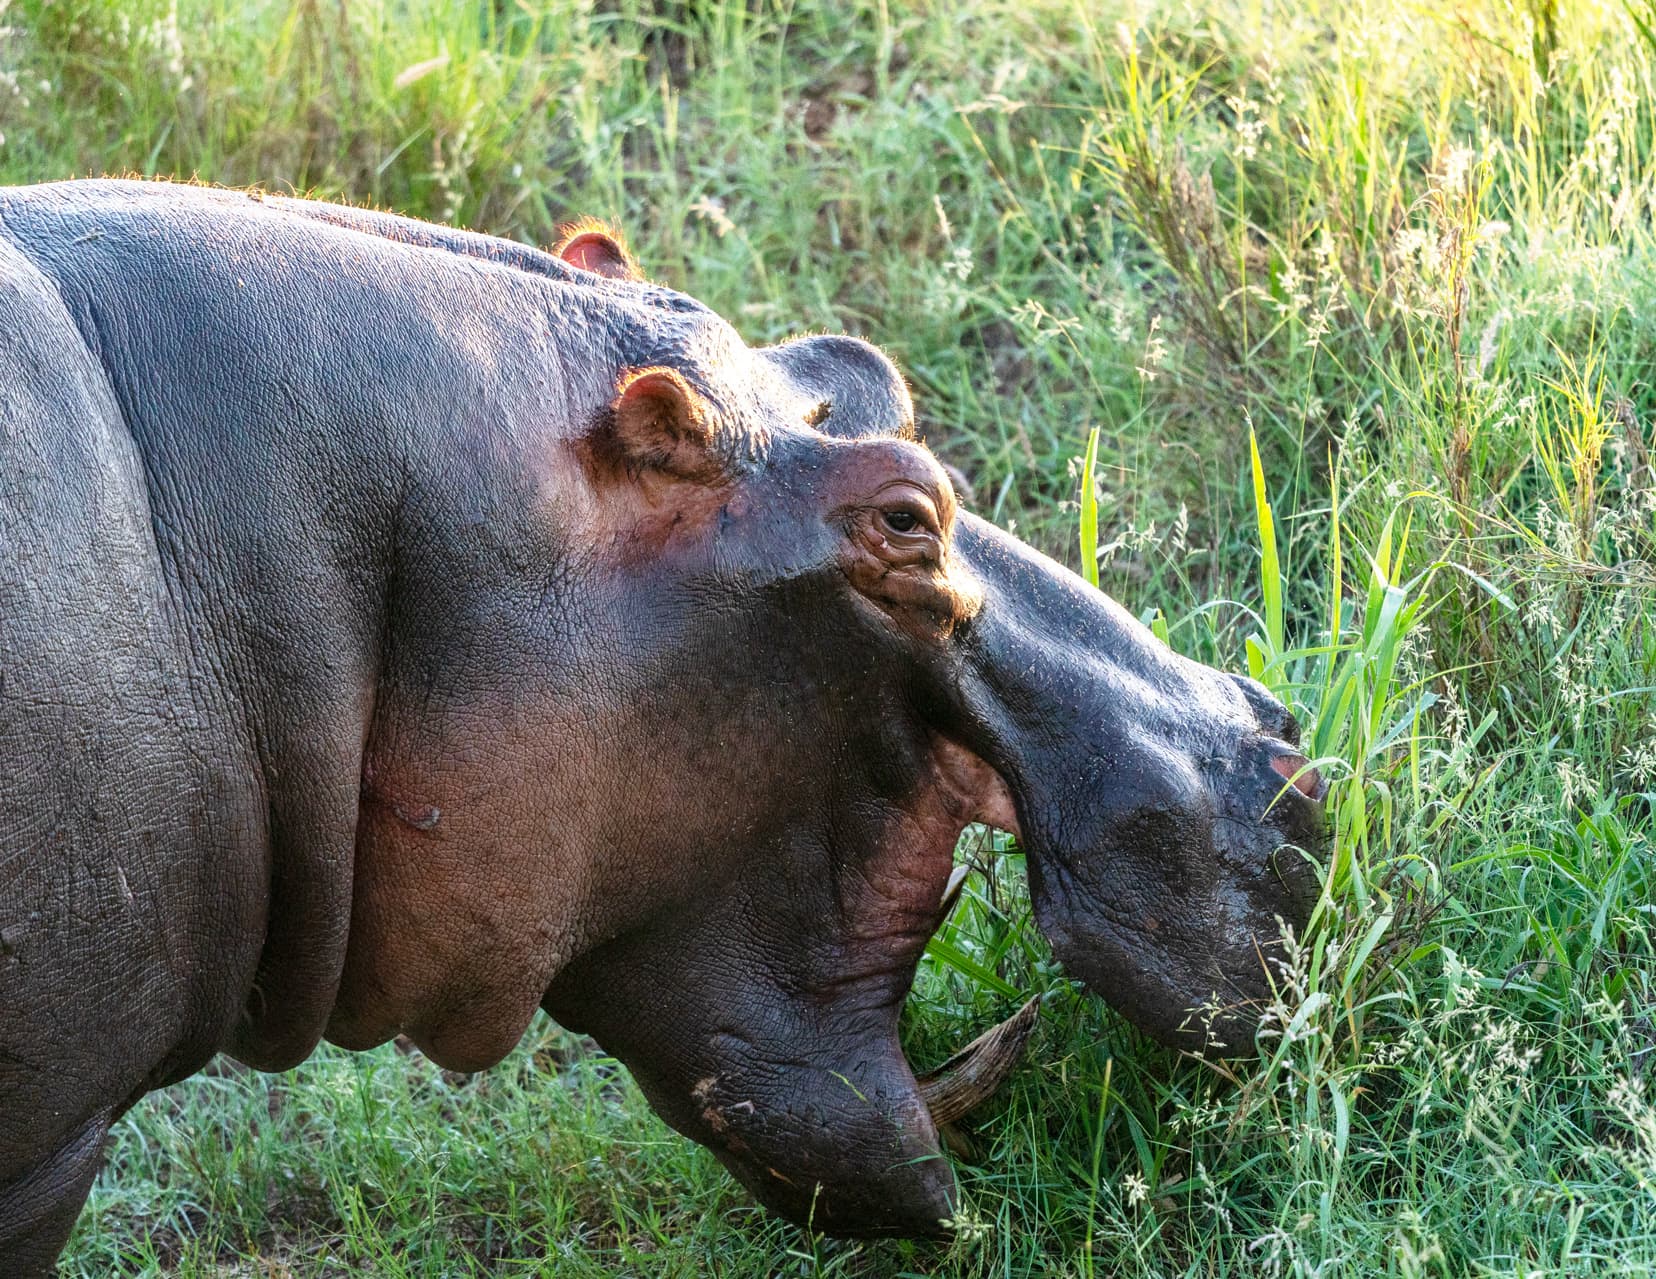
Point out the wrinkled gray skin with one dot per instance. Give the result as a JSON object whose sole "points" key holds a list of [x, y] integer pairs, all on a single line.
{"points": [[367, 666]]}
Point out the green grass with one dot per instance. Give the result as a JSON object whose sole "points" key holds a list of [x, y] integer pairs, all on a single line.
{"points": [[1331, 329]]}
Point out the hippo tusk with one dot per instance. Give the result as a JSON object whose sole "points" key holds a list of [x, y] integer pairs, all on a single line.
{"points": [[951, 890], [973, 1074]]}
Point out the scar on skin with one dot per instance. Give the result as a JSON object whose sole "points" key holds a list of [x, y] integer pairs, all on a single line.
{"points": [[700, 1093], [422, 818]]}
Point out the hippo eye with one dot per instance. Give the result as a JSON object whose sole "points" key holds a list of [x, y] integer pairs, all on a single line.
{"points": [[900, 520]]}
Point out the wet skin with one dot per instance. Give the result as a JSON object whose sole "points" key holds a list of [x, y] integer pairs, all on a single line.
{"points": [[403, 630]]}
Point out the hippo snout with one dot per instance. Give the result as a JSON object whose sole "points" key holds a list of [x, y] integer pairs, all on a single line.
{"points": [[1170, 886]]}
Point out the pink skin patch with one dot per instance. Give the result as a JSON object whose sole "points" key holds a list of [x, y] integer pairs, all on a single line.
{"points": [[599, 253], [589, 252], [1296, 769]]}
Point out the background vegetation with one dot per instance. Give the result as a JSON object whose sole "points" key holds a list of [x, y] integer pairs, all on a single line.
{"points": [[1409, 247]]}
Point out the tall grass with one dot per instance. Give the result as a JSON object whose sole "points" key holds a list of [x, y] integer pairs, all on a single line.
{"points": [[1326, 325]]}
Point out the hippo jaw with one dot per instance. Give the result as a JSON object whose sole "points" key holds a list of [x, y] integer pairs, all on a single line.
{"points": [[788, 1065]]}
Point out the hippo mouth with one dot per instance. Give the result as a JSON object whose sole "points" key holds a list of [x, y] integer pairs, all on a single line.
{"points": [[873, 1099], [976, 1072], [1115, 954]]}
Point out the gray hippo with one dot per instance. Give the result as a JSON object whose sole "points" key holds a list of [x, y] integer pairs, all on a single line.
{"points": [[402, 630]]}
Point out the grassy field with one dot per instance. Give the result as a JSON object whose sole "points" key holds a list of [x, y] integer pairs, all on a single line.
{"points": [[1406, 247]]}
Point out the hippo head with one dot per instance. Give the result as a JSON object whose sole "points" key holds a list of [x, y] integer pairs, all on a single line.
{"points": [[827, 671]]}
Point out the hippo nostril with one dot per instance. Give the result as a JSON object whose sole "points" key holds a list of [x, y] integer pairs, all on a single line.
{"points": [[1297, 770]]}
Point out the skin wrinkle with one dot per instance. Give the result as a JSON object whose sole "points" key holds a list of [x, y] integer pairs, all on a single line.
{"points": [[484, 705]]}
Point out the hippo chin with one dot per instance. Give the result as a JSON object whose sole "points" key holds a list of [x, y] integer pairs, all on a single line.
{"points": [[401, 630]]}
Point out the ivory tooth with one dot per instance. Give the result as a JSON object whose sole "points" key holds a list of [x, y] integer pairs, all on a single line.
{"points": [[970, 1077]]}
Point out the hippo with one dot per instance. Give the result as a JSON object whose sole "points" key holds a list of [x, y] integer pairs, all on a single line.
{"points": [[403, 630]]}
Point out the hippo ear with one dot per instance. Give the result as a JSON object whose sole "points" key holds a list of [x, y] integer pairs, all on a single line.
{"points": [[592, 246], [660, 421]]}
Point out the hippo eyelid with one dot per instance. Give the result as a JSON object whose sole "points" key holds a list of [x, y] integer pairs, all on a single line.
{"points": [[922, 521], [904, 497]]}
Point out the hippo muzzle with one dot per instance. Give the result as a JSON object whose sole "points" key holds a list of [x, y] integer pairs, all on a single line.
{"points": [[1167, 813]]}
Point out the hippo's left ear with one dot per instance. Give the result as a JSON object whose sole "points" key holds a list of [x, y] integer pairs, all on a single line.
{"points": [[592, 246], [660, 421]]}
